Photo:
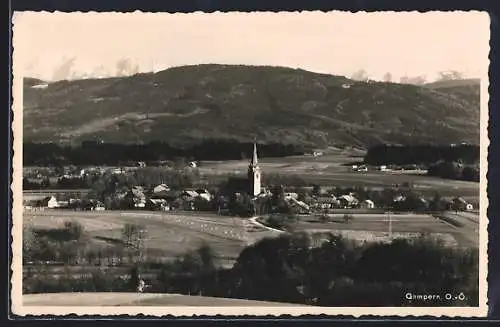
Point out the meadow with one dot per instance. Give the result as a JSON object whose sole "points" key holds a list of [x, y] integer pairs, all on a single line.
{"points": [[333, 169]]}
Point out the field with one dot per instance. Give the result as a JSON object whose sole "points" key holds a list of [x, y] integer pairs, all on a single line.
{"points": [[375, 227], [136, 299], [171, 233], [333, 169]]}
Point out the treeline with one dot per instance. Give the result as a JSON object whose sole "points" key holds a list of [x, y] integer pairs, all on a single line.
{"points": [[295, 268], [421, 154], [96, 153], [454, 170]]}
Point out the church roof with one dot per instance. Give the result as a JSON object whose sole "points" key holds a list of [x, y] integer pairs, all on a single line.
{"points": [[255, 159]]}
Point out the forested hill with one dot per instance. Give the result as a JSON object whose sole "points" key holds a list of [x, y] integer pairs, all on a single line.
{"points": [[185, 105]]}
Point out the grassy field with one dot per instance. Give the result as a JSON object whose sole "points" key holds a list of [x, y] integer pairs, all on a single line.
{"points": [[136, 299], [375, 227], [333, 169], [171, 233]]}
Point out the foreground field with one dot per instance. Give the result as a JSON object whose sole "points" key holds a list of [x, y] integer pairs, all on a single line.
{"points": [[171, 233], [136, 299]]}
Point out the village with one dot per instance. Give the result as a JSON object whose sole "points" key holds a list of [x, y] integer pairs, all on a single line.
{"points": [[71, 194]]}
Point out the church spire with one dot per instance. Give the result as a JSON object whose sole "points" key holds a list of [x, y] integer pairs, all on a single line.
{"points": [[255, 160]]}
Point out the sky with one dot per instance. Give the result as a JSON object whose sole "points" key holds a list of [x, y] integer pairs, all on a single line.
{"points": [[55, 46]]}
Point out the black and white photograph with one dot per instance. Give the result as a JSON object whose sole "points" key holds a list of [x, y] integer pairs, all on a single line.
{"points": [[250, 163]]}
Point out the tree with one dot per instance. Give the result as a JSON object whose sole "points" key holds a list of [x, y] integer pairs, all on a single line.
{"points": [[437, 203], [388, 77], [134, 278], [73, 229], [360, 75], [348, 217], [450, 75], [316, 191], [207, 257], [132, 234]]}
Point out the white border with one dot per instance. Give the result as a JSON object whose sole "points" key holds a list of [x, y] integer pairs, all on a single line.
{"points": [[16, 292]]}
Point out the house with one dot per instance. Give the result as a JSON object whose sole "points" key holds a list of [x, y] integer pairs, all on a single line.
{"points": [[326, 202], [460, 204], [398, 198], [382, 168], [367, 204], [63, 204], [157, 204], [184, 203], [99, 206], [348, 201], [301, 207], [189, 194], [204, 194], [291, 195], [160, 188], [117, 171], [136, 197], [48, 202], [362, 168]]}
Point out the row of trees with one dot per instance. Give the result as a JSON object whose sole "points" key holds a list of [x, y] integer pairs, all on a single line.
{"points": [[421, 154], [454, 170], [97, 153], [290, 268]]}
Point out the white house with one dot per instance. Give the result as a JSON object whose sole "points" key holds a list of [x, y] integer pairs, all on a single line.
{"points": [[161, 188], [348, 201], [50, 202], [291, 195], [367, 204], [204, 194]]}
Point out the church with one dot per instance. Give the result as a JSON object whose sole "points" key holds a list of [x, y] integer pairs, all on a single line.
{"points": [[252, 184], [254, 174]]}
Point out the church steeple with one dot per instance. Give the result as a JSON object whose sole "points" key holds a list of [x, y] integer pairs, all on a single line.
{"points": [[255, 160], [254, 173]]}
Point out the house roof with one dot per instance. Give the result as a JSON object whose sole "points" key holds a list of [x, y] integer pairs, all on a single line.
{"points": [[348, 198], [399, 198], [191, 193], [326, 199], [160, 188]]}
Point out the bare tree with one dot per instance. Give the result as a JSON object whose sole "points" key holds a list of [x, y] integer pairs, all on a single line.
{"points": [[360, 75], [64, 71], [388, 77], [415, 80], [450, 75]]}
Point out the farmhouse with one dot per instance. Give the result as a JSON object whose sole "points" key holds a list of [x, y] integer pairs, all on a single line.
{"points": [[291, 195], [325, 202], [348, 201], [300, 206], [136, 197], [204, 194], [157, 204], [49, 202], [460, 204], [367, 204], [160, 188]]}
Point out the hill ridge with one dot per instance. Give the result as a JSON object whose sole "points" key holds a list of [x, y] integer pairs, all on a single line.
{"points": [[186, 104]]}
